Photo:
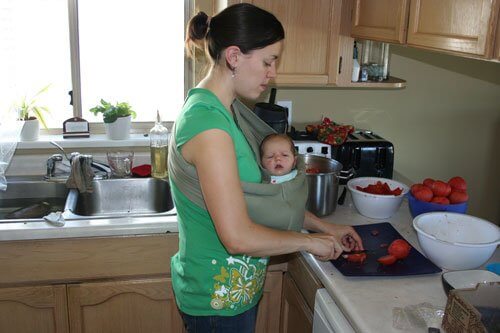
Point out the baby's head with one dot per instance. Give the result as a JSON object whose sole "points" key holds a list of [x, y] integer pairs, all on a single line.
{"points": [[277, 154]]}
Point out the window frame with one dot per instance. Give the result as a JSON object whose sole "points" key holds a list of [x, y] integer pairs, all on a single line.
{"points": [[98, 127]]}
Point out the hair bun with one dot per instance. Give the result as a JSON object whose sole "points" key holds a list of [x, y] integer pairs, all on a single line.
{"points": [[198, 27]]}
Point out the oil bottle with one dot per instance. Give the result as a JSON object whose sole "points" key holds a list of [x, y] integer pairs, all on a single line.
{"points": [[158, 137]]}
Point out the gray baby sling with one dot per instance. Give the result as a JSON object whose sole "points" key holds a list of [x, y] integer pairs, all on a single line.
{"points": [[279, 206]]}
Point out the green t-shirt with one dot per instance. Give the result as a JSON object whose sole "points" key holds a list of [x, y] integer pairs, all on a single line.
{"points": [[207, 280]]}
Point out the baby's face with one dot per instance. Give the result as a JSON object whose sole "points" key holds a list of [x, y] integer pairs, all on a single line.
{"points": [[277, 158]]}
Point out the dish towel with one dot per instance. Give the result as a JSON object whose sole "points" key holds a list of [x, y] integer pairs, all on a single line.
{"points": [[81, 175], [56, 219]]}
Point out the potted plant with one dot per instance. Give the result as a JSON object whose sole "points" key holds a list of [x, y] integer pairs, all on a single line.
{"points": [[117, 119], [31, 113]]}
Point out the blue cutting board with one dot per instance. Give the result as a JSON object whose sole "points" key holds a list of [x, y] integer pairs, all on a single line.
{"points": [[414, 264]]}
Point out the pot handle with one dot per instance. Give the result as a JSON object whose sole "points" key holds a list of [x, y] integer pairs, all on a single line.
{"points": [[347, 174]]}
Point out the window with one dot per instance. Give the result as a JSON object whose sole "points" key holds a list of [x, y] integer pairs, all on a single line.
{"points": [[129, 51]]}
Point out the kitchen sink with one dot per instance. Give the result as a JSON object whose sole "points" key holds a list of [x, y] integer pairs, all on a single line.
{"points": [[111, 198], [35, 196], [121, 197]]}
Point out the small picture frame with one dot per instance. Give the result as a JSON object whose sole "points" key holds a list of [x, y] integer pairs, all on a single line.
{"points": [[76, 127]]}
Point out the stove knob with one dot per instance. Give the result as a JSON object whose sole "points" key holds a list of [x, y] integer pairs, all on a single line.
{"points": [[324, 150], [309, 149]]}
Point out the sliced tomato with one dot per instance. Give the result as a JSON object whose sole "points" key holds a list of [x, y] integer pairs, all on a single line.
{"points": [[399, 248], [387, 260], [356, 257]]}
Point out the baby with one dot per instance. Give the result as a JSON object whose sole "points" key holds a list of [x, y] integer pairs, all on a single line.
{"points": [[278, 157]]}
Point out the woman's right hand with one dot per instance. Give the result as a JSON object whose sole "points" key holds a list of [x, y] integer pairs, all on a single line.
{"points": [[324, 247]]}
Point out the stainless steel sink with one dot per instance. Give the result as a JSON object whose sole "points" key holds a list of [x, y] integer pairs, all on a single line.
{"points": [[121, 197], [26, 191]]}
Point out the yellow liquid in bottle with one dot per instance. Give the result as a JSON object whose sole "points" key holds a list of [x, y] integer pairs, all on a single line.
{"points": [[159, 161]]}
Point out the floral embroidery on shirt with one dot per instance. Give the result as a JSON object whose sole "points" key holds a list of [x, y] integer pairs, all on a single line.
{"points": [[238, 282]]}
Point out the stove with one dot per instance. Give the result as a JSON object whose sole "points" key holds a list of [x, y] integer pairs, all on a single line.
{"points": [[313, 147]]}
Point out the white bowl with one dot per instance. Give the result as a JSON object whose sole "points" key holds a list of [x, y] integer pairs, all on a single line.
{"points": [[456, 241], [376, 206]]}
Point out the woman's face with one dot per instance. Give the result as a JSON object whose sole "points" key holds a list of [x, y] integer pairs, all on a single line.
{"points": [[255, 70]]}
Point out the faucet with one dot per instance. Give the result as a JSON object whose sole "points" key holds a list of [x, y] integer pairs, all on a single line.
{"points": [[101, 172]]}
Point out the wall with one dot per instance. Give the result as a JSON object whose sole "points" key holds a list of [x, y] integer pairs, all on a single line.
{"points": [[445, 123]]}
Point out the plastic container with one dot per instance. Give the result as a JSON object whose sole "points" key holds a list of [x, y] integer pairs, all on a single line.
{"points": [[158, 138], [456, 241], [418, 207], [376, 206]]}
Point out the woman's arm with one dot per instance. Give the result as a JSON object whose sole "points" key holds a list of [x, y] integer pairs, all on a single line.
{"points": [[343, 233], [212, 153]]}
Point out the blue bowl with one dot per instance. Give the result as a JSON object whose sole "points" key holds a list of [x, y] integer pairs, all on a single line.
{"points": [[418, 207]]}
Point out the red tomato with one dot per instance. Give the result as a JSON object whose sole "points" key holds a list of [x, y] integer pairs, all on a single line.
{"points": [[312, 170], [399, 248], [441, 200], [457, 197], [440, 189], [387, 260], [380, 189], [458, 183], [415, 187], [428, 182], [356, 257], [423, 194]]}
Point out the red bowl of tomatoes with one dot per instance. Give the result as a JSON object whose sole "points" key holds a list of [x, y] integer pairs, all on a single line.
{"points": [[418, 207]]}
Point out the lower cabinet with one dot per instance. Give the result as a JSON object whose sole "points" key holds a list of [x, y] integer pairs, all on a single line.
{"points": [[34, 309], [146, 306], [296, 316]]}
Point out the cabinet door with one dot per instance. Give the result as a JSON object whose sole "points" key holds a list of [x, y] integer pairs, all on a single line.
{"points": [[311, 31], [464, 26], [145, 306], [40, 309], [383, 20], [296, 317], [270, 304]]}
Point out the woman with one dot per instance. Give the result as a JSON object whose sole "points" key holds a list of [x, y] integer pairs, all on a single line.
{"points": [[219, 270]]}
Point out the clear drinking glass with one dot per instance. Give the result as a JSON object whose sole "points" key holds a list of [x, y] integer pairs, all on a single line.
{"points": [[120, 163]]}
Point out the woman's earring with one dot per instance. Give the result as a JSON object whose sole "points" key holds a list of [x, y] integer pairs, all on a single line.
{"points": [[233, 70]]}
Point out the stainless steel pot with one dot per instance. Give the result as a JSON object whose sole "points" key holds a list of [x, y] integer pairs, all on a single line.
{"points": [[324, 185]]}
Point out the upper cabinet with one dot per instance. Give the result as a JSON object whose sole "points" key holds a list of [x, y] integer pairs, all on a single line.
{"points": [[462, 27], [318, 48], [383, 20]]}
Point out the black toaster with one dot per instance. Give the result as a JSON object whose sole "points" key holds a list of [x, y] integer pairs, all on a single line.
{"points": [[368, 154]]}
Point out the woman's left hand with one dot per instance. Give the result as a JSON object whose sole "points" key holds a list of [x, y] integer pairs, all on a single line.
{"points": [[345, 235]]}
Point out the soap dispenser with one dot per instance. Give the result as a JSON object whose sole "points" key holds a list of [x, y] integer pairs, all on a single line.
{"points": [[158, 137]]}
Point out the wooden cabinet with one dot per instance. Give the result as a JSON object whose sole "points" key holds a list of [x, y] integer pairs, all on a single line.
{"points": [[383, 20], [318, 48], [145, 305], [296, 317], [104, 284], [461, 27], [40, 309]]}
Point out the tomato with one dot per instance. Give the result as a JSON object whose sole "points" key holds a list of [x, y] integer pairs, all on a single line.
{"points": [[415, 187], [458, 183], [399, 248], [441, 189], [457, 197], [312, 170], [380, 189], [387, 260], [441, 200], [356, 257], [423, 194], [428, 182]]}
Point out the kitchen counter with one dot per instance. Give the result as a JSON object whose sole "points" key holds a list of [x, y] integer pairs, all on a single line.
{"points": [[89, 228], [368, 302]]}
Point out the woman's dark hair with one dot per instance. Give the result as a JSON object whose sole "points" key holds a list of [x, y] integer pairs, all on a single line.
{"points": [[243, 25]]}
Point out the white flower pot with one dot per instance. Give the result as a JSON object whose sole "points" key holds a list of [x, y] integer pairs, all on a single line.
{"points": [[119, 129], [30, 130]]}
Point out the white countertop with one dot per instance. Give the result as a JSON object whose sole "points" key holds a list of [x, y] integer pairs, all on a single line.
{"points": [[89, 228], [368, 302]]}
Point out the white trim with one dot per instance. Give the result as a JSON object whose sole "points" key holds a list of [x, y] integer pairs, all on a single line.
{"points": [[75, 57], [94, 141]]}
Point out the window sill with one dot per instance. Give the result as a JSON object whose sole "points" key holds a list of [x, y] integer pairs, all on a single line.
{"points": [[94, 141]]}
